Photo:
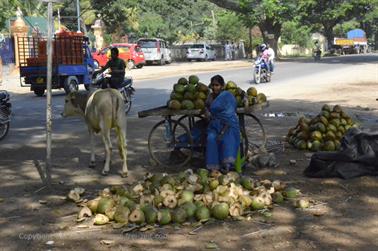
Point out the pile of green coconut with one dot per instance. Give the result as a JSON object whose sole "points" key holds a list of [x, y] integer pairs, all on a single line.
{"points": [[186, 197], [188, 94], [191, 94], [323, 132]]}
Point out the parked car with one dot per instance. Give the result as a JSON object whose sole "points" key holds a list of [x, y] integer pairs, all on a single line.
{"points": [[155, 50], [131, 53], [200, 51]]}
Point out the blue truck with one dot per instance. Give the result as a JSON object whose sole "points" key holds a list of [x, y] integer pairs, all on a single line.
{"points": [[72, 66]]}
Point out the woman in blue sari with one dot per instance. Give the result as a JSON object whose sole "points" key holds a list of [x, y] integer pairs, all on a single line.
{"points": [[223, 131]]}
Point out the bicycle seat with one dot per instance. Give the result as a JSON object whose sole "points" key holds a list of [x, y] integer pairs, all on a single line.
{"points": [[4, 96]]}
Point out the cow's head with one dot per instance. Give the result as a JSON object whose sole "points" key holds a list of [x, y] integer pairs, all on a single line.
{"points": [[74, 104]]}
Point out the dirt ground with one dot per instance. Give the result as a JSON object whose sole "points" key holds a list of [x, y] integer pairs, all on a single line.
{"points": [[344, 217]]}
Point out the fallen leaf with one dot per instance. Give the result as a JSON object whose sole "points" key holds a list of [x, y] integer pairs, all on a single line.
{"points": [[43, 202], [106, 242], [211, 245]]}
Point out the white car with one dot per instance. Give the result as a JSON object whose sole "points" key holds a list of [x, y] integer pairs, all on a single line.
{"points": [[155, 51], [200, 51]]}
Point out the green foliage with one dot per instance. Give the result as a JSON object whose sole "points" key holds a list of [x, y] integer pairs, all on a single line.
{"points": [[294, 32], [230, 27], [341, 29]]}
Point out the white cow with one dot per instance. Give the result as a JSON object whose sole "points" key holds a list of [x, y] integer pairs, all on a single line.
{"points": [[103, 110]]}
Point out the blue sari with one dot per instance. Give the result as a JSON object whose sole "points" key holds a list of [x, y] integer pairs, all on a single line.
{"points": [[223, 132]]}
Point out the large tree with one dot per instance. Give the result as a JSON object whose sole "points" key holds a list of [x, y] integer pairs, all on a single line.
{"points": [[329, 13], [268, 14]]}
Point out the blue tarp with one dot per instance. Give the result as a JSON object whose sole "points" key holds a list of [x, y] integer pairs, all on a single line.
{"points": [[7, 50], [356, 33]]}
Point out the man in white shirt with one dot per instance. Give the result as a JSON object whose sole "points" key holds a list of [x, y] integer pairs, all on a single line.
{"points": [[271, 58]]}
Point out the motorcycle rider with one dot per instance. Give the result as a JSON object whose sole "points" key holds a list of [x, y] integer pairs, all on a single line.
{"points": [[316, 49], [117, 70]]}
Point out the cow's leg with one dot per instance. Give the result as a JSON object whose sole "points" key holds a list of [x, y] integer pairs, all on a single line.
{"points": [[105, 132], [122, 147], [92, 162]]}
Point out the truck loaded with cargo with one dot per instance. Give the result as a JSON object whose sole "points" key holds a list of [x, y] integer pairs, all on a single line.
{"points": [[72, 62]]}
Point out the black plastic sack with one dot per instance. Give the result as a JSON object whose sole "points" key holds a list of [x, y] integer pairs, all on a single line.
{"points": [[358, 156]]}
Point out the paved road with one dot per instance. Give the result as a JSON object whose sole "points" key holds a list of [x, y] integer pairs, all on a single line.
{"points": [[28, 121]]}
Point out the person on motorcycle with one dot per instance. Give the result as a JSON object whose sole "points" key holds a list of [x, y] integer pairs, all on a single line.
{"points": [[316, 50], [265, 55], [117, 70]]}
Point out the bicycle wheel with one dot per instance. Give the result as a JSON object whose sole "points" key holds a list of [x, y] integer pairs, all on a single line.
{"points": [[255, 133], [165, 146]]}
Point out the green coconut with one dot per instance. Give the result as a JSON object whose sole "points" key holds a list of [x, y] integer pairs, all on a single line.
{"points": [[326, 108], [316, 135], [199, 203], [93, 204], [329, 146], [179, 88], [334, 115], [291, 193], [182, 81], [277, 197], [193, 79], [168, 180], [117, 189], [177, 96], [202, 213], [335, 122], [187, 105], [230, 85], [100, 219], [174, 104], [179, 215], [190, 209], [164, 216], [186, 196], [189, 95], [124, 201], [302, 203], [104, 204], [150, 214], [220, 211], [199, 104], [246, 182], [315, 145], [121, 214], [337, 108], [325, 114], [201, 95], [330, 135], [213, 184], [252, 91], [257, 203], [191, 88], [201, 87], [261, 98]]}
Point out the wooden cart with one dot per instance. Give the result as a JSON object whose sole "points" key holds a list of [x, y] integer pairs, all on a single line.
{"points": [[163, 139]]}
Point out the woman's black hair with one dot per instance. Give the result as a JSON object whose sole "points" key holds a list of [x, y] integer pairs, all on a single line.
{"points": [[217, 78]]}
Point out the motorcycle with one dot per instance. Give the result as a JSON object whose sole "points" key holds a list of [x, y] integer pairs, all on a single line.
{"points": [[5, 112], [261, 71], [127, 90]]}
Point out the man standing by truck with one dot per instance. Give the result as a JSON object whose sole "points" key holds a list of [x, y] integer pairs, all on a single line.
{"points": [[117, 67]]}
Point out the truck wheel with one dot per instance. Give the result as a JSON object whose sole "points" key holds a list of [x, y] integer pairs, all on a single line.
{"points": [[71, 84], [39, 91], [139, 66]]}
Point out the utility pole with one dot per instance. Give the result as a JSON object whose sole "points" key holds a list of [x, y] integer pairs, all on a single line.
{"points": [[50, 26], [78, 15]]}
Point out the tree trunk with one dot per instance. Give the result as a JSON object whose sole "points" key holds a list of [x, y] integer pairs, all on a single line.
{"points": [[250, 49], [328, 33]]}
